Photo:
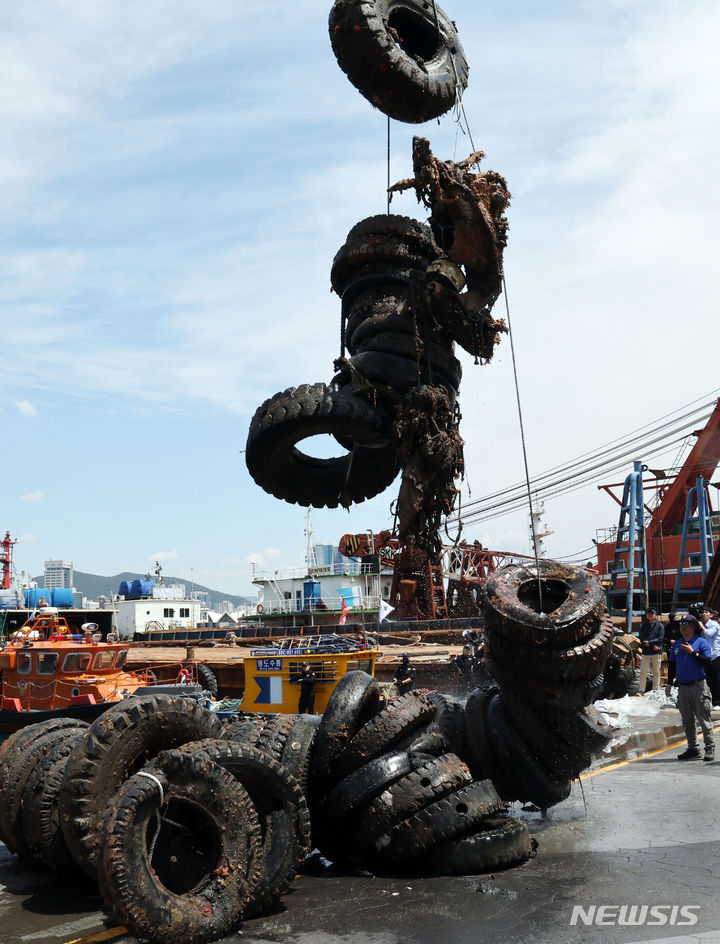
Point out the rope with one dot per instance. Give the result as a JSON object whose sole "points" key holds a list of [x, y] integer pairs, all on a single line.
{"points": [[158, 821], [522, 439], [389, 195]]}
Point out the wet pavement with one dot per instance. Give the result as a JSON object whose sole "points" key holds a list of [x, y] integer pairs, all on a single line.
{"points": [[640, 829]]}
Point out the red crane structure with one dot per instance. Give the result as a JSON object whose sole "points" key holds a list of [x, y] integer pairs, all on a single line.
{"points": [[6, 546]]}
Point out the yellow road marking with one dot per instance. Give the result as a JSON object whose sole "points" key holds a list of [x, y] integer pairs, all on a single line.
{"points": [[631, 760], [98, 936]]}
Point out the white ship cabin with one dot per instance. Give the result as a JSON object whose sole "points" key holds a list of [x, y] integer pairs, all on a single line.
{"points": [[166, 609], [321, 587]]}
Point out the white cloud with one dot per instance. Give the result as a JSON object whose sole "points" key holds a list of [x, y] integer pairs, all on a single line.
{"points": [[27, 538], [165, 556], [25, 408], [33, 496]]}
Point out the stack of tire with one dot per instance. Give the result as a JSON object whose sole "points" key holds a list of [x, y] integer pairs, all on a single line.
{"points": [[184, 831], [389, 792], [548, 639]]}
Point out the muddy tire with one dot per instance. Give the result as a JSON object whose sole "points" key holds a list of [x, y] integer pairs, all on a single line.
{"points": [[281, 806], [546, 694], [386, 731], [501, 843], [434, 779], [279, 467], [333, 817], [398, 57], [451, 817], [18, 768], [119, 742], [584, 661], [354, 702], [572, 598], [366, 254], [450, 720], [245, 729], [40, 816], [480, 756], [402, 373], [208, 680], [524, 777], [191, 878], [297, 751]]}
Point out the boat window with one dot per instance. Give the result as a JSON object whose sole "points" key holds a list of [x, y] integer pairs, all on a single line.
{"points": [[325, 671], [76, 662], [103, 660], [360, 665], [46, 663], [24, 663], [122, 657]]}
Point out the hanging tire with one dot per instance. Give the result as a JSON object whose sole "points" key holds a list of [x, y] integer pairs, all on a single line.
{"points": [[115, 746], [398, 57], [190, 879], [524, 776], [367, 254], [480, 756], [284, 471], [438, 356], [500, 843], [573, 599], [208, 679], [401, 373], [19, 763], [40, 816], [281, 806], [385, 731], [451, 817], [355, 701], [583, 661]]}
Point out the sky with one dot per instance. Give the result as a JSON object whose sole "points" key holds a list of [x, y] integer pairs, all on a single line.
{"points": [[175, 179]]}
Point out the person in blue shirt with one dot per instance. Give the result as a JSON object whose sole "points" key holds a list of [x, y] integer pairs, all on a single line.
{"points": [[652, 633], [689, 657], [710, 624]]}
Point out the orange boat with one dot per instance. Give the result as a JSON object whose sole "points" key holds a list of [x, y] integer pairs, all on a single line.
{"points": [[48, 672]]}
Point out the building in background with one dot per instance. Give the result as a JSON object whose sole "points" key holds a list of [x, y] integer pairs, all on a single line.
{"points": [[58, 573]]}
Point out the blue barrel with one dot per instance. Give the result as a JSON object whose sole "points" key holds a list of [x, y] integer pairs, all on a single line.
{"points": [[141, 588], [63, 596], [33, 596]]}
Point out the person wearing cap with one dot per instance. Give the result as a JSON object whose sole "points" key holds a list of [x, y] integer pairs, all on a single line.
{"points": [[651, 634], [405, 675], [672, 631], [711, 626], [306, 680], [689, 657], [464, 666]]}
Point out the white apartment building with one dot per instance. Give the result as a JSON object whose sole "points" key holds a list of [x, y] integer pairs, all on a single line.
{"points": [[58, 573]]}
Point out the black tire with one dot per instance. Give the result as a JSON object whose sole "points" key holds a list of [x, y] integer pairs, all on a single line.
{"points": [[18, 766], [450, 719], [333, 817], [583, 661], [245, 728], [208, 679], [542, 733], [524, 776], [434, 779], [451, 817], [298, 747], [386, 731], [366, 254], [40, 816], [116, 745], [413, 232], [166, 885], [480, 756], [273, 736], [501, 843], [402, 372], [398, 57], [284, 471], [573, 598], [281, 805], [439, 357], [355, 701]]}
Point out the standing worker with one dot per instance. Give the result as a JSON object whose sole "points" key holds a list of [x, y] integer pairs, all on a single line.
{"points": [[689, 657], [405, 675], [709, 623], [464, 666], [306, 681], [652, 633]]}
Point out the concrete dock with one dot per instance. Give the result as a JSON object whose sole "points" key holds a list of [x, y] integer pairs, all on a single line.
{"points": [[632, 856]]}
